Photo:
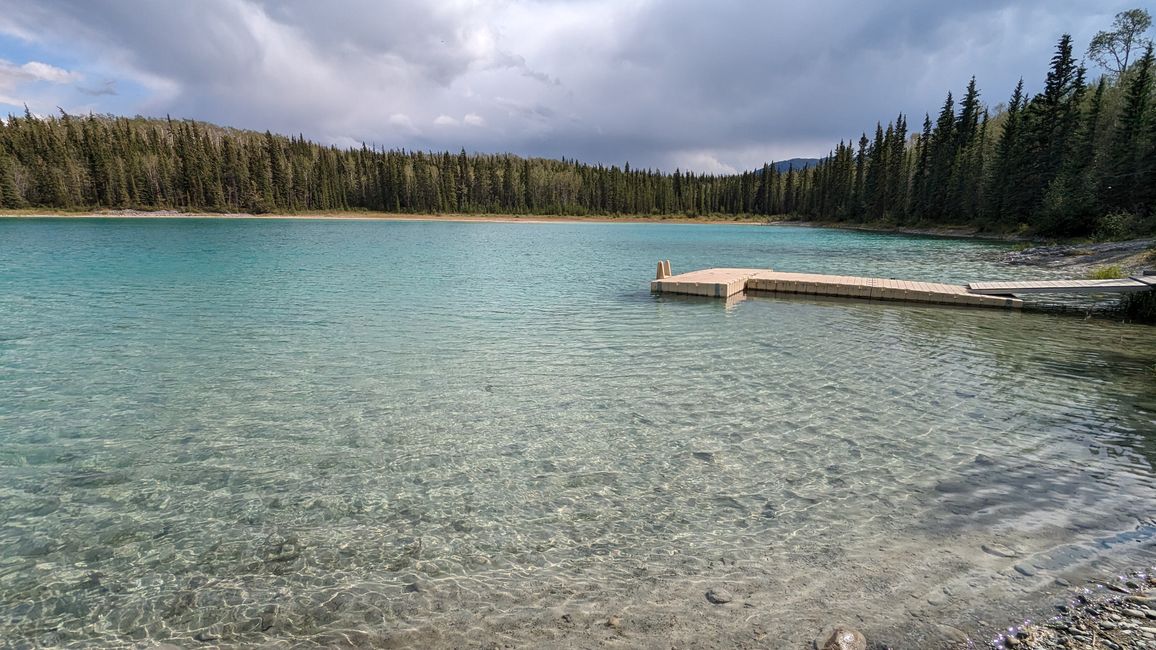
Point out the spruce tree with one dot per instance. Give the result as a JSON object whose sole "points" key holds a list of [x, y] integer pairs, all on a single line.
{"points": [[1124, 183]]}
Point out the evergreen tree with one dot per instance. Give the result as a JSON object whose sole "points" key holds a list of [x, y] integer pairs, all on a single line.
{"points": [[1005, 197], [1125, 183], [920, 200]]}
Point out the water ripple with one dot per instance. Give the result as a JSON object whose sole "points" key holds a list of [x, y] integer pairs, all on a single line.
{"points": [[343, 434]]}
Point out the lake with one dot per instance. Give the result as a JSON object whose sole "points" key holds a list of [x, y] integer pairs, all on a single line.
{"points": [[340, 433]]}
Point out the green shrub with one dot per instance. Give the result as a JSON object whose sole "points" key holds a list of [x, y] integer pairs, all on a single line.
{"points": [[1117, 225], [1109, 272]]}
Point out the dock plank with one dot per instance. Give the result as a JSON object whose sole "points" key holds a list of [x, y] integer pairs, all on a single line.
{"points": [[1058, 286]]}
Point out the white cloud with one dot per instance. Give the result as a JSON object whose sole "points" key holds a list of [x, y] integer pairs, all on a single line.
{"points": [[402, 120], [473, 119], [701, 161], [445, 120], [32, 71], [20, 84], [45, 72]]}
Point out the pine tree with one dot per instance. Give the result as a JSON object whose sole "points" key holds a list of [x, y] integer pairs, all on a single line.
{"points": [[942, 161], [1004, 199], [859, 203], [1052, 122], [1126, 179], [920, 193]]}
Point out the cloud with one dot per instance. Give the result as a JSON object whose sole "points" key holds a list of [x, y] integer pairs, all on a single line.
{"points": [[19, 81], [658, 83], [701, 161], [106, 88], [402, 121], [12, 74], [35, 70]]}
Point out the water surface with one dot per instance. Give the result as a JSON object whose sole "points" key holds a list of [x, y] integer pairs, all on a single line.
{"points": [[318, 433]]}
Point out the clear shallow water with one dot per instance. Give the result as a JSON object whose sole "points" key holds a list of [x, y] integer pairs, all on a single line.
{"points": [[313, 433]]}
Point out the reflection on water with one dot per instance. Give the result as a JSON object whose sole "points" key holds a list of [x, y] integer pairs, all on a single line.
{"points": [[333, 434]]}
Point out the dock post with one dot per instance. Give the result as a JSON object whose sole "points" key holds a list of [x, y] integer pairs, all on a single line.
{"points": [[666, 268], [661, 274]]}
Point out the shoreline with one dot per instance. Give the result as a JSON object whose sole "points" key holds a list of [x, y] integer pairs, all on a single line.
{"points": [[948, 232], [374, 216], [1116, 614], [955, 232]]}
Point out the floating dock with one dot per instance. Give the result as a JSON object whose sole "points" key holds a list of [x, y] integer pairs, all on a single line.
{"points": [[725, 283]]}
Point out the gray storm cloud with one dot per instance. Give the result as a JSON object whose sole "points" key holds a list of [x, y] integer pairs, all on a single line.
{"points": [[708, 86]]}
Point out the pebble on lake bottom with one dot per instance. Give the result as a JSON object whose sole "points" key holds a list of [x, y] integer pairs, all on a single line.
{"points": [[841, 638], [998, 550], [719, 596]]}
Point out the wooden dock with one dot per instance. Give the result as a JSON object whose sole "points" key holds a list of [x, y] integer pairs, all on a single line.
{"points": [[727, 283]]}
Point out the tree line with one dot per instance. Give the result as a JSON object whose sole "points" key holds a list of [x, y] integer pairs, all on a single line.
{"points": [[1074, 159], [94, 162]]}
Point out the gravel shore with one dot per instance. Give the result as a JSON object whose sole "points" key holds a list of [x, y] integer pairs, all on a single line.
{"points": [[1117, 616]]}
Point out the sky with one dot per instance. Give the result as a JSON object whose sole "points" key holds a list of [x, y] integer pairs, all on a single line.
{"points": [[709, 86]]}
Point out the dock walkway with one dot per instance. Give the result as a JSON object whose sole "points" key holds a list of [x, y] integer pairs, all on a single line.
{"points": [[1122, 285], [727, 282]]}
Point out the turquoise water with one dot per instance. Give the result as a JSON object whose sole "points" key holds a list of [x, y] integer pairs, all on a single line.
{"points": [[320, 433]]}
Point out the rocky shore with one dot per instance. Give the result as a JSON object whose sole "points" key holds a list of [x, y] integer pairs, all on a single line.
{"points": [[1130, 255], [1119, 616]]}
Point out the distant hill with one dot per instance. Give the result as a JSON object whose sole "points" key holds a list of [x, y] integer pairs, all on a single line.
{"points": [[798, 163]]}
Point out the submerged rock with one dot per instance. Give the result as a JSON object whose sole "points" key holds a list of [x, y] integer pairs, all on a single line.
{"points": [[1024, 570], [952, 636], [998, 550], [841, 638], [719, 596], [937, 596], [278, 548]]}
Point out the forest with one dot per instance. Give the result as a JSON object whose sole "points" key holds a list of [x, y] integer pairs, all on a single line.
{"points": [[72, 163], [1076, 159]]}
